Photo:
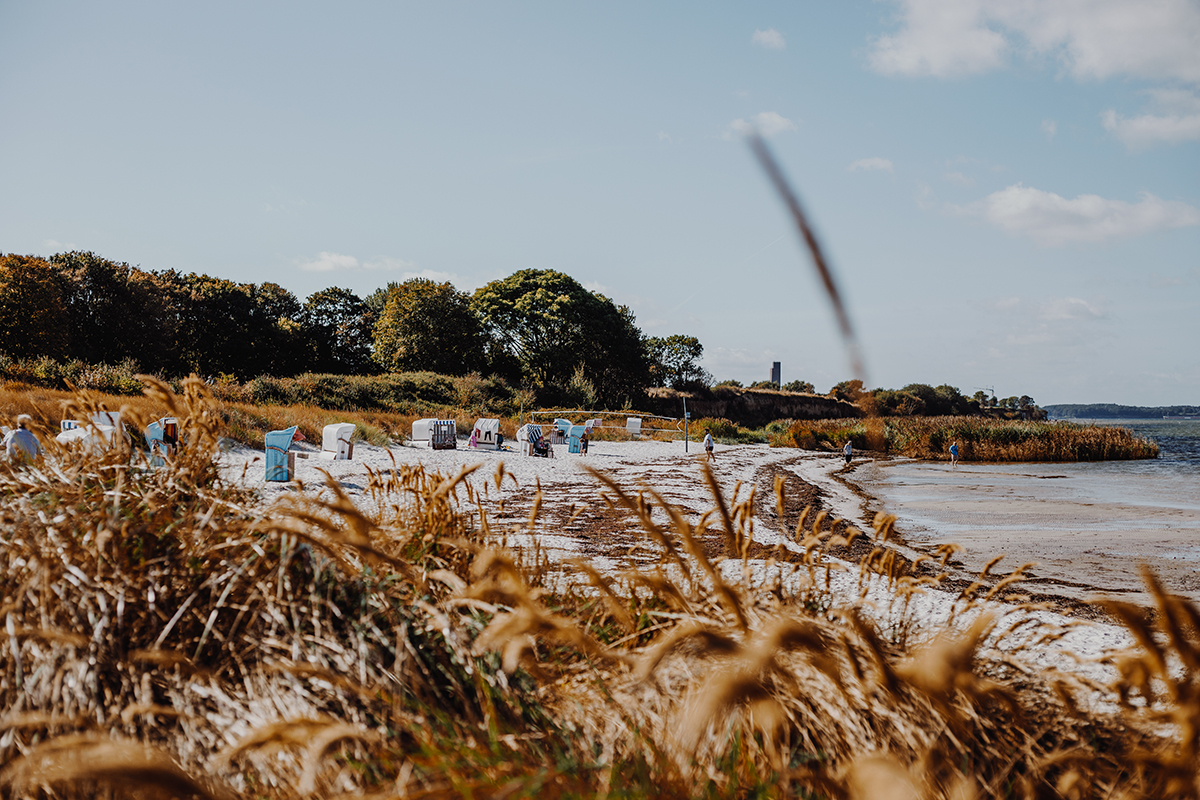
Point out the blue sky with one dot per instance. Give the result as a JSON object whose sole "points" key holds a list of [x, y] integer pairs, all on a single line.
{"points": [[1009, 192]]}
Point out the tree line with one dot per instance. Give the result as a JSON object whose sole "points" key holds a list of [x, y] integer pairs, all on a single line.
{"points": [[537, 329]]}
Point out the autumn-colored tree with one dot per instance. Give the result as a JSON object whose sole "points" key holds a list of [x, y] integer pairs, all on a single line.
{"points": [[32, 317]]}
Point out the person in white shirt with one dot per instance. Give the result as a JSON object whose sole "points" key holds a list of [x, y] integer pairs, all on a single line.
{"points": [[708, 446], [848, 451], [20, 445]]}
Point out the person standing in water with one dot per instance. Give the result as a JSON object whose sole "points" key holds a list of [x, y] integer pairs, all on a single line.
{"points": [[954, 454], [848, 451], [708, 446]]}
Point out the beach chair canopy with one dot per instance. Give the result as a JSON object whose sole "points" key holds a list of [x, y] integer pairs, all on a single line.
{"points": [[563, 425], [633, 425]]}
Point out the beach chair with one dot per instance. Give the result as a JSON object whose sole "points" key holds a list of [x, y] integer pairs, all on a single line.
{"points": [[573, 435], [420, 429], [562, 427], [634, 426], [533, 443], [281, 461], [486, 434], [443, 434], [98, 434], [162, 437], [68, 425], [336, 444], [591, 424]]}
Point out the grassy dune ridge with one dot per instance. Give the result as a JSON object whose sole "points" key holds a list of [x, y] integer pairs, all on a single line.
{"points": [[163, 636]]}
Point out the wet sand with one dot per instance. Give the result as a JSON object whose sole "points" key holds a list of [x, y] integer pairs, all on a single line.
{"points": [[1087, 527]]}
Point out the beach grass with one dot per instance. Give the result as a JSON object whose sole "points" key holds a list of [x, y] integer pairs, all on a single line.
{"points": [[978, 438], [166, 636]]}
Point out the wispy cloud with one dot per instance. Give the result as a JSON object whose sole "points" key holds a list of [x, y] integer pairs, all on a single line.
{"points": [[771, 39], [338, 262], [59, 247], [1049, 127], [1051, 219], [873, 163], [959, 178], [767, 123], [663, 136], [1068, 308], [1177, 119]]}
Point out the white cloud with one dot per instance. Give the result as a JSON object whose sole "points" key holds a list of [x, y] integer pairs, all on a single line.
{"points": [[960, 179], [337, 262], [1093, 39], [939, 37], [1068, 308], [1177, 120], [767, 123], [663, 136], [59, 247], [1050, 219], [1049, 127], [770, 39], [871, 164]]}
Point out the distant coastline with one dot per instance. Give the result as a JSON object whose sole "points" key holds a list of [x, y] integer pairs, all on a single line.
{"points": [[1115, 411]]}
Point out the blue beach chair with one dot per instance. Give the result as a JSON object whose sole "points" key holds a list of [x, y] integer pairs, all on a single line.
{"points": [[281, 464], [574, 433]]}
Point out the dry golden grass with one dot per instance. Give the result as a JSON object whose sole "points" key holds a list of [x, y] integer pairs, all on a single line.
{"points": [[161, 637]]}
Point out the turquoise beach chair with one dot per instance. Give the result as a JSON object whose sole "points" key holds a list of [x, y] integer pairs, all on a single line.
{"points": [[154, 443], [574, 433], [281, 464]]}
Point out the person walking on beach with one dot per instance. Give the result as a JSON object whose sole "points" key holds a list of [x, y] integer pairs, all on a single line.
{"points": [[21, 446], [708, 446], [583, 444], [954, 454], [848, 451]]}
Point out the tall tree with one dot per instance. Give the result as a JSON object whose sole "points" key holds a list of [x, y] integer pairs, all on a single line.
{"points": [[550, 325], [340, 325], [428, 326], [32, 316], [673, 361], [114, 312]]}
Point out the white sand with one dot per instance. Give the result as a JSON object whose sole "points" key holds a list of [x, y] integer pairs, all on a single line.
{"points": [[678, 477]]}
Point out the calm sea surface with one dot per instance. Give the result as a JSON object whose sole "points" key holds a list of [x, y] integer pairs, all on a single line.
{"points": [[1086, 525], [1171, 481]]}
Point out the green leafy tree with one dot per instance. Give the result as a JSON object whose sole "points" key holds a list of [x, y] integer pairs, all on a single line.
{"points": [[804, 387], [32, 316], [549, 325], [339, 326], [428, 326], [673, 362], [115, 312]]}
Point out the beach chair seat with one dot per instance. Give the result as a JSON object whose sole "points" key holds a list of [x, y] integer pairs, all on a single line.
{"points": [[336, 441], [280, 460]]}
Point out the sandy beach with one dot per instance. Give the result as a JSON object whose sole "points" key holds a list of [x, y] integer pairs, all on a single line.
{"points": [[574, 522]]}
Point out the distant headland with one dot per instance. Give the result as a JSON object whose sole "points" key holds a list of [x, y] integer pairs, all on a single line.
{"points": [[1115, 411]]}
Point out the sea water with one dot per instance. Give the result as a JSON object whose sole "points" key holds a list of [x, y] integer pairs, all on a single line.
{"points": [[1099, 519]]}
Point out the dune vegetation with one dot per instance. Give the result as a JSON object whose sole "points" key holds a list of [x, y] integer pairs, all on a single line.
{"points": [[979, 438], [166, 635]]}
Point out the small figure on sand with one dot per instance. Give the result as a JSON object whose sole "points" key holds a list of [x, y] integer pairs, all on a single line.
{"points": [[848, 451], [708, 446], [21, 446], [954, 454], [583, 444]]}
